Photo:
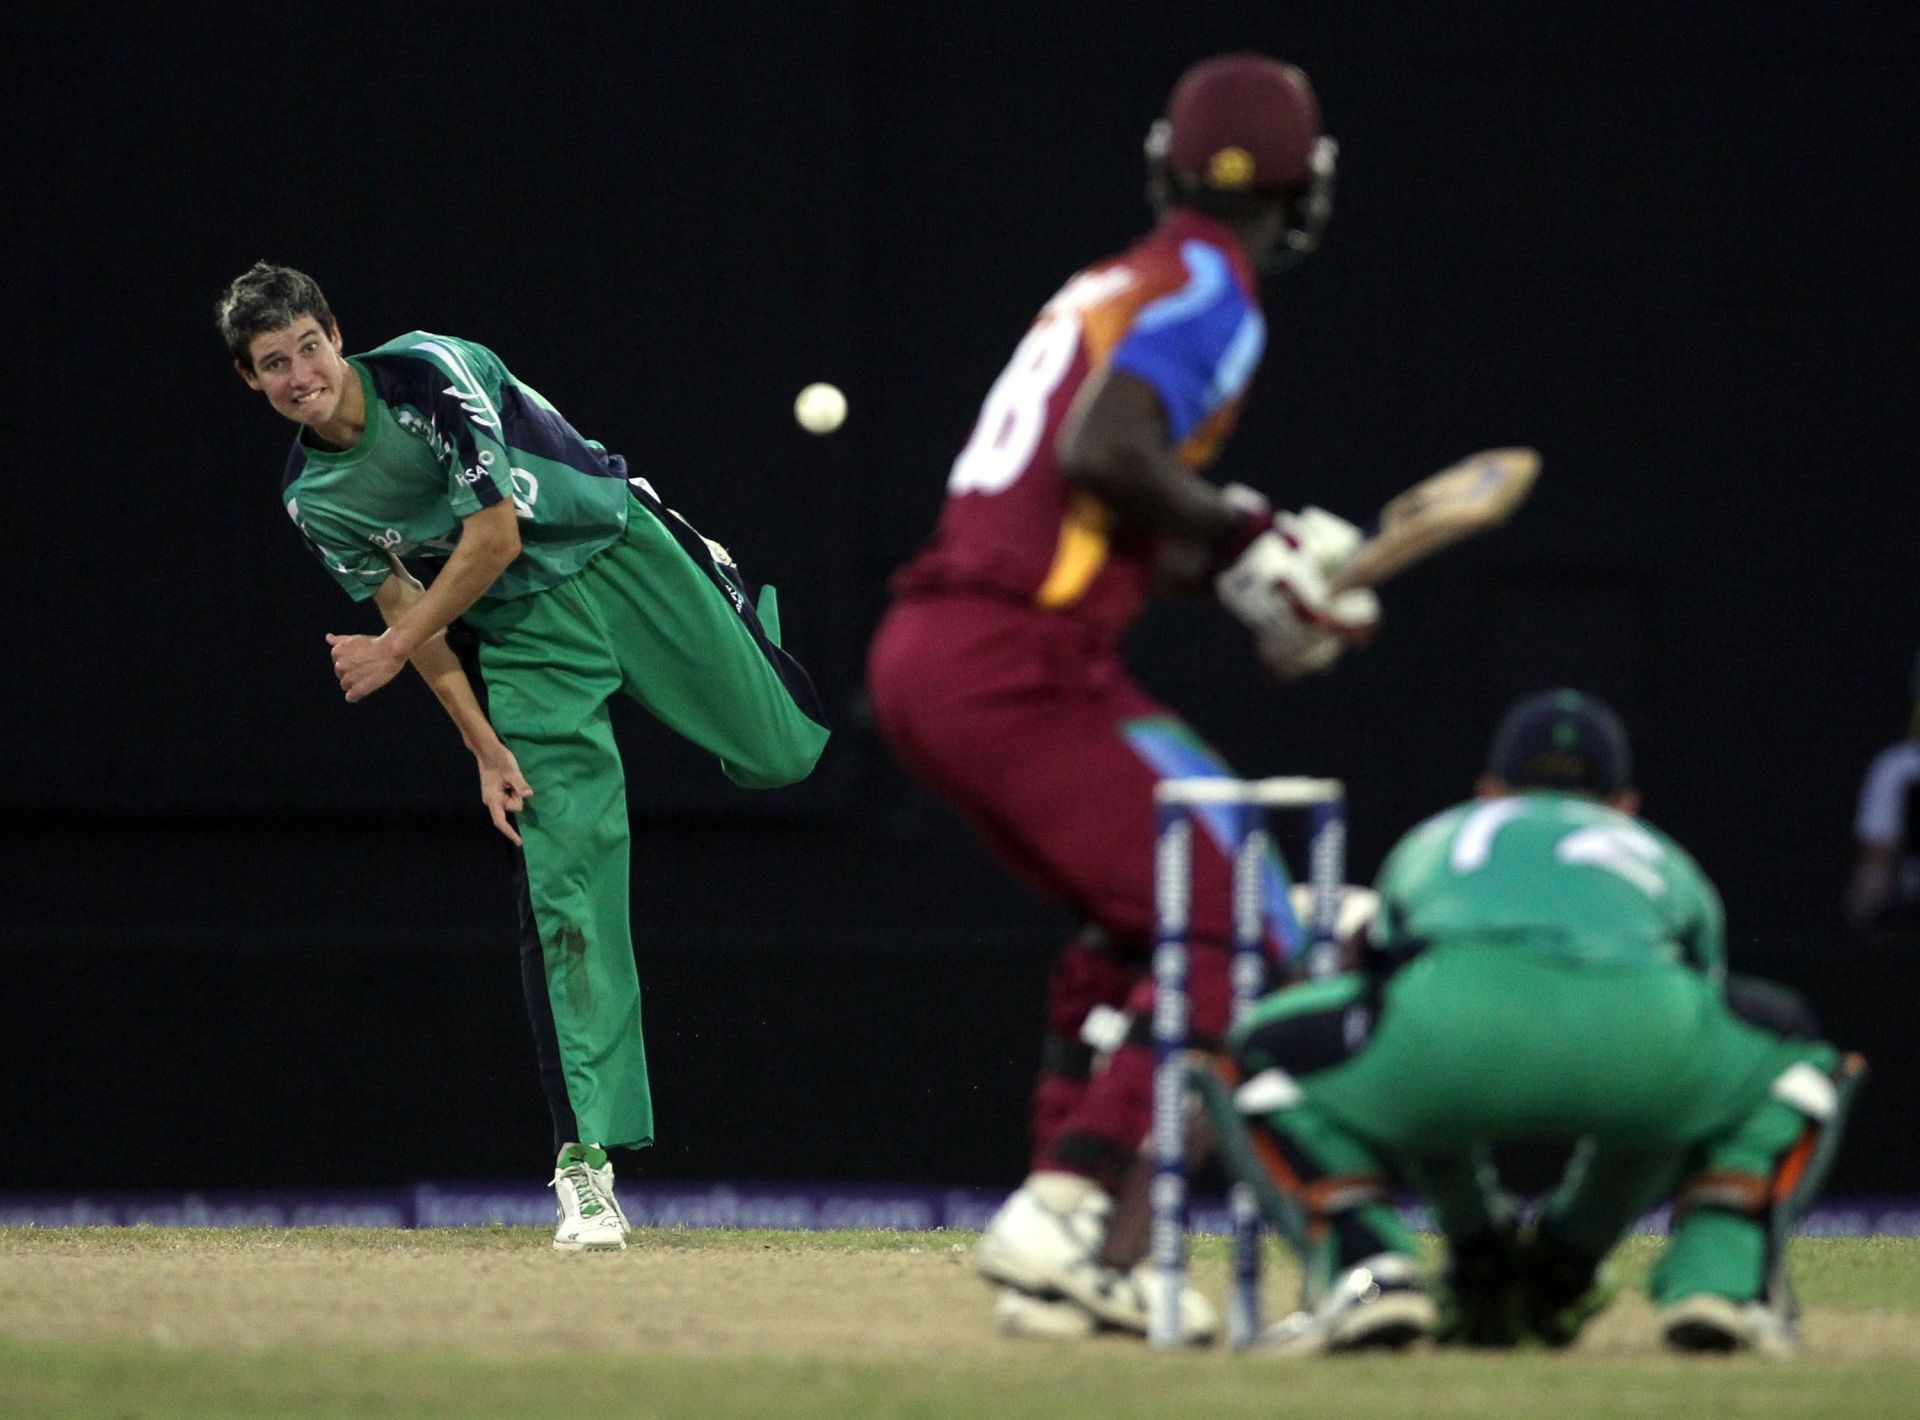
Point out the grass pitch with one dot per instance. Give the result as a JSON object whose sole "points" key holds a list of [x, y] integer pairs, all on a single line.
{"points": [[150, 1324]]}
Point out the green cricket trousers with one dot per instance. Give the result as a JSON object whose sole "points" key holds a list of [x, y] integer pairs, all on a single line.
{"points": [[656, 618], [1470, 1046]]}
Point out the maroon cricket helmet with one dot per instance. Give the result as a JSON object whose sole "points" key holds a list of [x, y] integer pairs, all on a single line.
{"points": [[1240, 123]]}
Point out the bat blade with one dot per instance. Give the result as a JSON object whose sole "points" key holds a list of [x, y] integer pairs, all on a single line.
{"points": [[1478, 493]]}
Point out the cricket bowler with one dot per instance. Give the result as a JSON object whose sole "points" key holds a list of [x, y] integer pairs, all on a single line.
{"points": [[580, 586]]}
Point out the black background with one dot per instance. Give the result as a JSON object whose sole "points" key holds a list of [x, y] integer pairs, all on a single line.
{"points": [[255, 935]]}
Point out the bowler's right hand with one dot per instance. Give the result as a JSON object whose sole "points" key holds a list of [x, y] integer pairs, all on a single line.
{"points": [[503, 789]]}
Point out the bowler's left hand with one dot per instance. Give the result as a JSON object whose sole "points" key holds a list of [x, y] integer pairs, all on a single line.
{"points": [[364, 663]]}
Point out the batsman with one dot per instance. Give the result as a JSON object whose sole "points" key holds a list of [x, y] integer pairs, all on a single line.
{"points": [[1544, 966], [998, 679]]}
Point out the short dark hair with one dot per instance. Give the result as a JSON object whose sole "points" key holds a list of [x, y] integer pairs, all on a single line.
{"points": [[266, 298]]}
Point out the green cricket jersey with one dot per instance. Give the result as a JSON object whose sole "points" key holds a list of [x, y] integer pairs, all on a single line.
{"points": [[1551, 873], [450, 431]]}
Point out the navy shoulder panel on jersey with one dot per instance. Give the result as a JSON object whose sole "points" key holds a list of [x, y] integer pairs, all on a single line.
{"points": [[526, 424], [543, 431], [404, 378]]}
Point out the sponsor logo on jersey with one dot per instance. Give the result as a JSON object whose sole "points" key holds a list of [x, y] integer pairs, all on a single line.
{"points": [[482, 470], [526, 490]]}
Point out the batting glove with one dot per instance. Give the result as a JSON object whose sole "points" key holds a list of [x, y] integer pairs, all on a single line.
{"points": [[1278, 587]]}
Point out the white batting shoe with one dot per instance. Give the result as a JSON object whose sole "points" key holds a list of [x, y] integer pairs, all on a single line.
{"points": [[1378, 1304], [1044, 1243], [1022, 1314], [1709, 1323], [1129, 1307], [1051, 1225], [1018, 1313], [590, 1219]]}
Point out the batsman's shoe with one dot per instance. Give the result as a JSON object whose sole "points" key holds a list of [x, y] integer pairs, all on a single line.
{"points": [[1058, 1319], [590, 1219], [1051, 1226], [1129, 1307], [1380, 1304], [1709, 1323], [1105, 1299], [1045, 1243], [1017, 1313]]}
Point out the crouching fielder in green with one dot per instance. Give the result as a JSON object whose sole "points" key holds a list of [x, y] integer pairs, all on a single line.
{"points": [[580, 586], [1544, 966]]}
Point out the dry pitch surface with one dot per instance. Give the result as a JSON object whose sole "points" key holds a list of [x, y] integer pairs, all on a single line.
{"points": [[125, 1323]]}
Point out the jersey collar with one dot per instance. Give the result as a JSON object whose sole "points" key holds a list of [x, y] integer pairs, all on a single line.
{"points": [[336, 458], [1182, 223]]}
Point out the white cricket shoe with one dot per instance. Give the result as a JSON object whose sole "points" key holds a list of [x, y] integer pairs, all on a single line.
{"points": [[1705, 1322], [590, 1219], [1378, 1303], [1017, 1313], [1045, 1243]]}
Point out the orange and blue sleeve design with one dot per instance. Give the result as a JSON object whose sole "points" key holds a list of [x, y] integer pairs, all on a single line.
{"points": [[1188, 327], [1197, 344]]}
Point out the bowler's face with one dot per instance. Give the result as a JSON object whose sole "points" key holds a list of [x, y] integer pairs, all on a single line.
{"points": [[301, 371]]}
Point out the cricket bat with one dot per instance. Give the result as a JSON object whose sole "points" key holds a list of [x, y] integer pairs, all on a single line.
{"points": [[1478, 493]]}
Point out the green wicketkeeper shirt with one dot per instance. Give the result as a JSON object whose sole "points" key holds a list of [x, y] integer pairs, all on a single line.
{"points": [[450, 431], [1557, 874]]}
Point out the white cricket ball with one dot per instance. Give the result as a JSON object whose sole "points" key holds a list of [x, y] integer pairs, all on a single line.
{"points": [[820, 408]]}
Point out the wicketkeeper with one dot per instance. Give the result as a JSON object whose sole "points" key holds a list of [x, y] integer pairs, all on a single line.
{"points": [[1544, 966]]}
